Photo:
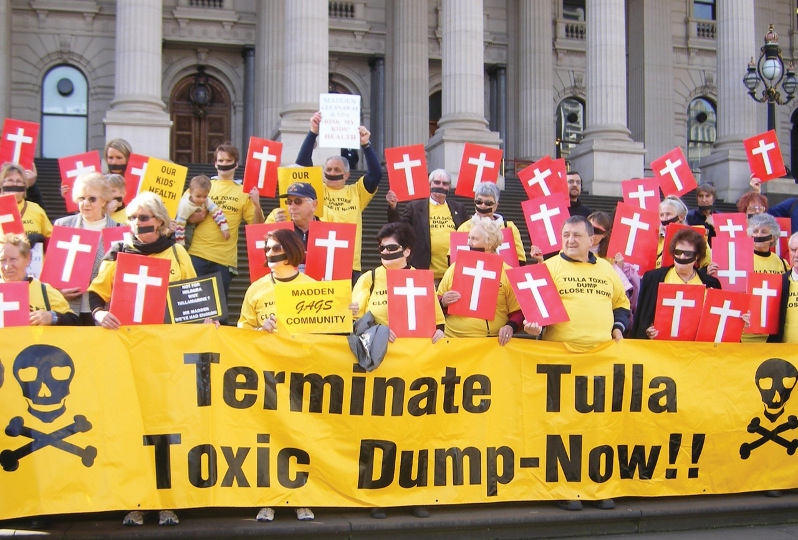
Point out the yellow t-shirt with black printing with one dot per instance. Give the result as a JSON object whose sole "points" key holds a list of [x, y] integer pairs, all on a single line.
{"points": [[54, 297], [375, 299], [519, 245], [459, 326], [772, 264], [208, 242], [258, 301], [346, 205], [441, 225], [590, 292], [34, 219], [791, 316], [181, 268]]}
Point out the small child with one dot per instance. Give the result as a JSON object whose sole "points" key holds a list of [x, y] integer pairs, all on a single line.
{"points": [[195, 199], [116, 206]]}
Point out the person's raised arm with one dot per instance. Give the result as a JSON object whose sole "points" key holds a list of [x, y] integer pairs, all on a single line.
{"points": [[305, 155]]}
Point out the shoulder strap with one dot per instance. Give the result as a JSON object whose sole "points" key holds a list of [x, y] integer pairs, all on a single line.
{"points": [[46, 299], [174, 252], [373, 277]]}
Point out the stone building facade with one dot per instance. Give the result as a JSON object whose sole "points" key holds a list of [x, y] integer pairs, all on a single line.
{"points": [[611, 84]]}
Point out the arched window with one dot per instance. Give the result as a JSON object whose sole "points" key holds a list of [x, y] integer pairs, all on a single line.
{"points": [[701, 131], [65, 112], [570, 124]]}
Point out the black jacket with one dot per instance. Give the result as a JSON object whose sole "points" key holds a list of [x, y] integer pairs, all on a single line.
{"points": [[647, 301], [785, 297], [416, 214]]}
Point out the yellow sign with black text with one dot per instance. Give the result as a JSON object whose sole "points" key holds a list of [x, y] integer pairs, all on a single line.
{"points": [[181, 416], [318, 307], [167, 180]]}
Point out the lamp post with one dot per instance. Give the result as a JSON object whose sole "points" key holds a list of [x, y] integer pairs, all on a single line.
{"points": [[770, 70]]}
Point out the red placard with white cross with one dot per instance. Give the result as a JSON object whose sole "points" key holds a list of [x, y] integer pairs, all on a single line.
{"points": [[782, 248], [635, 235], [14, 304], [765, 291], [545, 177], [721, 318], [735, 259], [18, 144], [642, 193], [411, 303], [670, 230], [260, 172], [10, 220], [678, 311], [136, 169], [139, 290], [112, 235], [407, 172], [673, 173], [507, 248], [545, 217], [331, 250], [476, 277], [256, 242], [537, 294], [458, 241], [764, 156], [70, 257], [73, 166], [730, 225], [479, 164]]}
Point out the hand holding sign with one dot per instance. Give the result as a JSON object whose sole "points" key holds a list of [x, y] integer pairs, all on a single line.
{"points": [[635, 234], [263, 159], [545, 217], [411, 303], [140, 288], [764, 156], [476, 277], [537, 294], [340, 121], [678, 311]]}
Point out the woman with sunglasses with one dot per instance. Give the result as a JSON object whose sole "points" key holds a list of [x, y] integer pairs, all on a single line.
{"points": [[91, 193], [486, 201], [284, 253], [149, 222], [395, 243], [687, 247]]}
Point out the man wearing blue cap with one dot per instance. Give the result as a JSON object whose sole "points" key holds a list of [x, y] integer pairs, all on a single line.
{"points": [[301, 200]]}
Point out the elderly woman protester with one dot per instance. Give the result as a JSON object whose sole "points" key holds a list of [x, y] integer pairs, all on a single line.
{"points": [[370, 294], [91, 193], [13, 180], [687, 247], [752, 203], [284, 253], [149, 222], [486, 201], [48, 307], [484, 236], [673, 210]]}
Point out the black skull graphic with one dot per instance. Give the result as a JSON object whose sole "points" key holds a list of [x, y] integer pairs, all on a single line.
{"points": [[775, 379], [44, 373]]}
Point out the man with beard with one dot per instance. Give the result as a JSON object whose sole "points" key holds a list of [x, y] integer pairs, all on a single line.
{"points": [[574, 190]]}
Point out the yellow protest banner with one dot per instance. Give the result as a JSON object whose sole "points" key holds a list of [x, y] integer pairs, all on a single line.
{"points": [[152, 417], [165, 179], [320, 307], [312, 175]]}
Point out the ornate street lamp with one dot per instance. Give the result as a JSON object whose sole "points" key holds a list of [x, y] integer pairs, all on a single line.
{"points": [[770, 70], [200, 93]]}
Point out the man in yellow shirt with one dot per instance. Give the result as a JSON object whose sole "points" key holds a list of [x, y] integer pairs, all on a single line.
{"points": [[209, 250], [432, 220], [344, 203]]}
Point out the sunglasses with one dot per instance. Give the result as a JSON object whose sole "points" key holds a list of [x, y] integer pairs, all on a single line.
{"points": [[297, 202], [277, 248], [480, 202], [91, 199], [683, 253], [142, 218], [599, 230], [389, 247]]}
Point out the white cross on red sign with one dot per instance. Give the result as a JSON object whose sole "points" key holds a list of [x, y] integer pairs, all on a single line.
{"points": [[72, 167], [139, 290], [331, 250], [10, 220], [479, 164], [765, 291], [14, 310], [764, 156], [634, 235], [70, 257], [678, 311], [735, 259], [673, 173], [537, 294], [18, 142], [256, 242], [476, 278], [260, 172], [407, 172], [641, 192], [545, 177], [721, 319], [545, 217], [134, 174], [411, 302]]}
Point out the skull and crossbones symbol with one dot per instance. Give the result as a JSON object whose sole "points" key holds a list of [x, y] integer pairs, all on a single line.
{"points": [[775, 379], [44, 373]]}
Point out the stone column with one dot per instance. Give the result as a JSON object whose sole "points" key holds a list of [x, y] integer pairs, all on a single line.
{"points": [[607, 154], [378, 111], [305, 73], [535, 80], [269, 70], [410, 73], [498, 101], [5, 58], [651, 104], [249, 98], [727, 166], [463, 118], [137, 111]]}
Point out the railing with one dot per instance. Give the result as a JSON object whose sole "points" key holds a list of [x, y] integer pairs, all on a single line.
{"points": [[705, 29], [213, 4], [575, 30], [342, 10]]}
